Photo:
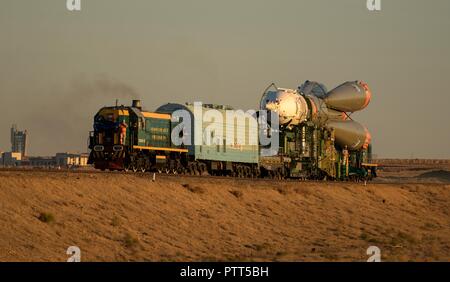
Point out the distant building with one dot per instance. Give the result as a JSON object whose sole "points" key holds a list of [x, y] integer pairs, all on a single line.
{"points": [[61, 160], [41, 162], [68, 159], [18, 141], [11, 158]]}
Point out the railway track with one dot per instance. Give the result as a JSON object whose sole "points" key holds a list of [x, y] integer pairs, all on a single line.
{"points": [[166, 176]]}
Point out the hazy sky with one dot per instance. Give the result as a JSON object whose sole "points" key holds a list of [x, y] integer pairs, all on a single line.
{"points": [[58, 67]]}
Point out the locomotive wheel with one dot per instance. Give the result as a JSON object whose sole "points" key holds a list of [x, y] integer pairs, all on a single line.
{"points": [[203, 169], [253, 173], [191, 169], [195, 170], [248, 172], [143, 169], [279, 174], [134, 168], [240, 172], [257, 173]]}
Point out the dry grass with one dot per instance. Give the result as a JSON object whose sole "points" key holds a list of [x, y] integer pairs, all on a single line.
{"points": [[130, 241], [238, 194], [125, 217], [115, 221], [46, 217], [194, 189]]}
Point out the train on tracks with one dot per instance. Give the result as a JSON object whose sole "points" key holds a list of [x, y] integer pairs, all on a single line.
{"points": [[316, 138]]}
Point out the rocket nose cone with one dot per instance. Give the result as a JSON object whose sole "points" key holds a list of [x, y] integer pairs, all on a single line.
{"points": [[368, 93], [351, 96], [350, 133]]}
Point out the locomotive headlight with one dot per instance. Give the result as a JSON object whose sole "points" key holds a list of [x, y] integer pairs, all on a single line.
{"points": [[99, 148], [117, 148]]}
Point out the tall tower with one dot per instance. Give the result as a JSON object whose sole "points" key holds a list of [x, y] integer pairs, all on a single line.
{"points": [[18, 141]]}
